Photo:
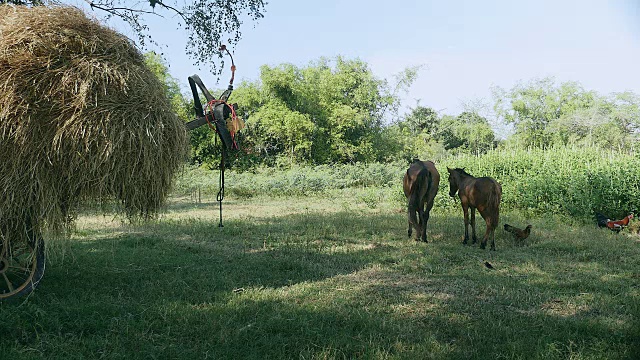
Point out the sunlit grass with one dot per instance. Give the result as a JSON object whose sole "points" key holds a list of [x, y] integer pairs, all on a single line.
{"points": [[328, 277]]}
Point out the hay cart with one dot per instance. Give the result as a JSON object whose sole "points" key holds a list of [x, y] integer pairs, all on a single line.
{"points": [[22, 263]]}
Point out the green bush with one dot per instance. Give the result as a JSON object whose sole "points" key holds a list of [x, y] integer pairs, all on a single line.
{"points": [[570, 180], [574, 181], [306, 180]]}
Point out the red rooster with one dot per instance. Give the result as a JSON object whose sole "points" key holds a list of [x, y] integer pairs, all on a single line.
{"points": [[614, 225]]}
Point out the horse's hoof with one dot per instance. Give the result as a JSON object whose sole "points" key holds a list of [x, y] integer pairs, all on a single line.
{"points": [[483, 246]]}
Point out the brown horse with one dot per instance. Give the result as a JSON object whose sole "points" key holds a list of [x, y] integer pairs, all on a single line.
{"points": [[420, 186], [483, 194]]}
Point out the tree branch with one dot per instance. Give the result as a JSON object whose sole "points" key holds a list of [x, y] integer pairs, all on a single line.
{"points": [[116, 10], [172, 9], [207, 23]]}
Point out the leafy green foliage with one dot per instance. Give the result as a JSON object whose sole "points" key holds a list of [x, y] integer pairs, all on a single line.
{"points": [[337, 111], [208, 23], [424, 134], [422, 119], [297, 180], [466, 133], [562, 180], [158, 66], [546, 114], [330, 111], [573, 181], [288, 130]]}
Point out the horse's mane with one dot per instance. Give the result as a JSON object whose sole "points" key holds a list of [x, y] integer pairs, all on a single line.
{"points": [[462, 172]]}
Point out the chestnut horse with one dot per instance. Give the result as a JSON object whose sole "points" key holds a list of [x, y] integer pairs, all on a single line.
{"points": [[482, 193], [420, 185]]}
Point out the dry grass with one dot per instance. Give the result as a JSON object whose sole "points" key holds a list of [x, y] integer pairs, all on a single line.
{"points": [[81, 118]]}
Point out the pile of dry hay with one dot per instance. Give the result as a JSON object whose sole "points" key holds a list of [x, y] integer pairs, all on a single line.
{"points": [[81, 118]]}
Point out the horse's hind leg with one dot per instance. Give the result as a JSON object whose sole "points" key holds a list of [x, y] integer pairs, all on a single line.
{"points": [[494, 225], [483, 244], [415, 222], [410, 231], [465, 209], [490, 232], [428, 205], [493, 239], [474, 238], [424, 226], [424, 217]]}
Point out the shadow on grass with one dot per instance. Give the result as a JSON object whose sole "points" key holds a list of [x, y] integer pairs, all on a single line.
{"points": [[314, 285]]}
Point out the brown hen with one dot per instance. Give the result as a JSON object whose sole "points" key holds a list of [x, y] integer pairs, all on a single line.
{"points": [[518, 233]]}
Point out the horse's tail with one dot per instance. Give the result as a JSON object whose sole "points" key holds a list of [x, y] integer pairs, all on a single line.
{"points": [[420, 186], [495, 196]]}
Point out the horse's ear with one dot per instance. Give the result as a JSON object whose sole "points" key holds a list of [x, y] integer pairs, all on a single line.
{"points": [[449, 170]]}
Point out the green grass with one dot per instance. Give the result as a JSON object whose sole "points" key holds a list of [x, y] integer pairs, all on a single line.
{"points": [[327, 277]]}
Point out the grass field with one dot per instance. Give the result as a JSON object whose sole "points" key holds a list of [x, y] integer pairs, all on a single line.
{"points": [[323, 278]]}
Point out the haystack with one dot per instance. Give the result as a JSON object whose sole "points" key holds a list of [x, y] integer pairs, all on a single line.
{"points": [[81, 118]]}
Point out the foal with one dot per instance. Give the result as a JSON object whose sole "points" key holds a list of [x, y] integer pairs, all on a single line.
{"points": [[483, 194]]}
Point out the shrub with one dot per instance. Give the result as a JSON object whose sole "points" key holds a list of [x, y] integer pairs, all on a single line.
{"points": [[565, 180], [570, 180]]}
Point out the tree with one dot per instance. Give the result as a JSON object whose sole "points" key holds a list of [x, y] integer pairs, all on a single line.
{"points": [[157, 65], [532, 107], [422, 118], [331, 110], [413, 135], [208, 23], [625, 113], [468, 132], [348, 104], [545, 114], [290, 131]]}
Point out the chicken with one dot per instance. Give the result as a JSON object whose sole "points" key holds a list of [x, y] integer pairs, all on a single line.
{"points": [[614, 225], [518, 233]]}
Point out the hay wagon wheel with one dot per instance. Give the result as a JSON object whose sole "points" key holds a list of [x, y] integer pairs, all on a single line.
{"points": [[21, 266]]}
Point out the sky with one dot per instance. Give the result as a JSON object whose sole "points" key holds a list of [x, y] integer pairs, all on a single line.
{"points": [[465, 47]]}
